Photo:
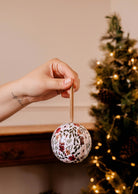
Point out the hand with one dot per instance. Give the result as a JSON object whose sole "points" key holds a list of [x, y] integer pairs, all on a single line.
{"points": [[48, 80]]}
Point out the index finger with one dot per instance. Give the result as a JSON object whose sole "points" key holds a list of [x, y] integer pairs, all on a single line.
{"points": [[65, 71]]}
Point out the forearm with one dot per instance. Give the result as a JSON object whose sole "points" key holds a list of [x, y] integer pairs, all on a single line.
{"points": [[12, 99]]}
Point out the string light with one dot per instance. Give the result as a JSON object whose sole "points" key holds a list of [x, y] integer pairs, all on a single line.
{"points": [[130, 50], [94, 187], [98, 62], [92, 180], [99, 144], [115, 77], [113, 158], [117, 116], [124, 187], [117, 191], [97, 164], [133, 164], [99, 82], [108, 136], [111, 54], [108, 151], [96, 191], [96, 147], [134, 68], [108, 178], [94, 161], [132, 60]]}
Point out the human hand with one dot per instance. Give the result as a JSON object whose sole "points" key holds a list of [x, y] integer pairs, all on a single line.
{"points": [[48, 80]]}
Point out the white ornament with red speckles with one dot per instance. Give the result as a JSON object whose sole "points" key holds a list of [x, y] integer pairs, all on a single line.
{"points": [[71, 143]]}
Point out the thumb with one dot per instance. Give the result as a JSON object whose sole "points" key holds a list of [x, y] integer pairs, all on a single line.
{"points": [[60, 84]]}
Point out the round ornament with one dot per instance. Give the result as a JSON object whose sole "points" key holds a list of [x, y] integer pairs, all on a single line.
{"points": [[71, 143]]}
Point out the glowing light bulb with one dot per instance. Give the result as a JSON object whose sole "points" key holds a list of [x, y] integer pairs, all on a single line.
{"points": [[113, 173], [94, 186], [133, 164], [132, 60], [94, 161], [124, 187], [113, 158], [111, 54], [115, 77], [130, 50], [108, 178], [108, 136], [134, 68], [117, 191], [136, 184], [118, 117], [99, 81], [98, 63], [97, 164], [92, 180], [99, 144], [96, 191], [108, 151], [96, 147]]}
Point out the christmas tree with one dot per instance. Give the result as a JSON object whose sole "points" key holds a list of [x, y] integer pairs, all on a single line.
{"points": [[113, 163]]}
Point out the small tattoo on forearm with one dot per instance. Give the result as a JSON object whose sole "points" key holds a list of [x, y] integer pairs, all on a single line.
{"points": [[17, 98]]}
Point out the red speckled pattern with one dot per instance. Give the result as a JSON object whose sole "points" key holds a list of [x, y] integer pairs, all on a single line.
{"points": [[71, 142]]}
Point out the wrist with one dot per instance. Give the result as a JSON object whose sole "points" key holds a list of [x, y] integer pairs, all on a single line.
{"points": [[18, 93]]}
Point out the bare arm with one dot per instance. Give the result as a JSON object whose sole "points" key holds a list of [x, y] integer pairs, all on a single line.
{"points": [[48, 80]]}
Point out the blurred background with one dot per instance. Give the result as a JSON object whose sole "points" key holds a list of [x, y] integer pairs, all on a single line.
{"points": [[31, 33]]}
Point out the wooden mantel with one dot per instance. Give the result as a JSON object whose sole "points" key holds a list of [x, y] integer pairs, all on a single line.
{"points": [[33, 129], [23, 145]]}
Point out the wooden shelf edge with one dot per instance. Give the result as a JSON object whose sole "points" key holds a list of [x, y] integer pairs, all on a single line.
{"points": [[34, 129]]}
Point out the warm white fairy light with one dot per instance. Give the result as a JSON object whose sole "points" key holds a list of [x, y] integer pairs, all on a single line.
{"points": [[91, 179], [111, 54], [108, 136], [94, 161], [94, 187], [98, 62], [117, 116], [133, 164], [109, 175], [99, 82], [115, 77], [117, 190], [96, 147], [108, 151], [108, 178], [132, 60], [130, 50], [99, 144], [112, 175], [113, 158], [134, 68]]}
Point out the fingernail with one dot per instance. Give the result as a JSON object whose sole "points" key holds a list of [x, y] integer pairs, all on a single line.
{"points": [[67, 81]]}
